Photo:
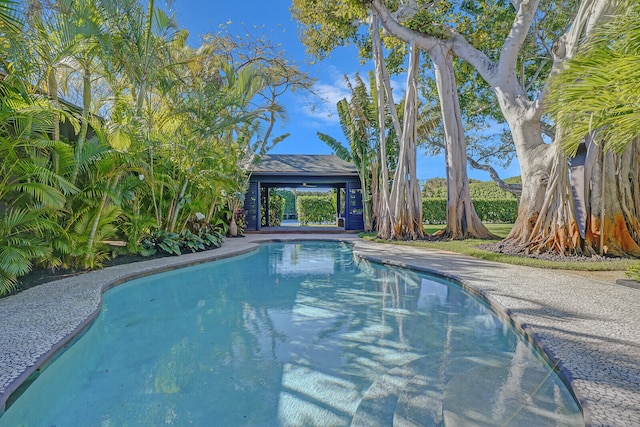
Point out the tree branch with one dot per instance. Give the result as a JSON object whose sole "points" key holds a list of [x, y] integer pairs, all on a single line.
{"points": [[590, 12], [458, 43], [511, 188], [495, 177], [518, 33]]}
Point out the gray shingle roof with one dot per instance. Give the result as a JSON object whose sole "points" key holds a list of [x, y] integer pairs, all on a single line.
{"points": [[304, 164]]}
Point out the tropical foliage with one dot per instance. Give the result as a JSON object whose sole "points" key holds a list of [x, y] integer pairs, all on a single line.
{"points": [[358, 122], [151, 145], [276, 207], [598, 92]]}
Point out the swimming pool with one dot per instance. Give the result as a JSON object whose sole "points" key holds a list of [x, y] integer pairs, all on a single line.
{"points": [[295, 334]]}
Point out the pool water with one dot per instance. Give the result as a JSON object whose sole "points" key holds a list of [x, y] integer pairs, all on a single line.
{"points": [[295, 334]]}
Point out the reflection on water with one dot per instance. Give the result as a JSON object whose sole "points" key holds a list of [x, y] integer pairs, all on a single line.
{"points": [[296, 334], [293, 260]]}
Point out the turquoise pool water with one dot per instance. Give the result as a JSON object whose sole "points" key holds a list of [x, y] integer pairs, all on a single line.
{"points": [[295, 334]]}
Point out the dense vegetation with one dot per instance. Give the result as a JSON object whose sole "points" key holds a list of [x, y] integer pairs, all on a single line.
{"points": [[276, 210], [502, 211], [316, 209], [487, 190], [113, 128], [289, 202]]}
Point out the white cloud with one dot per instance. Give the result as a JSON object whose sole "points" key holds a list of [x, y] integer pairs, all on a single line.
{"points": [[322, 110]]}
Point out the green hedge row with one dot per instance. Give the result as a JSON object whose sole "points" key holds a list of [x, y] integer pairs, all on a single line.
{"points": [[289, 202], [434, 210], [316, 209], [276, 209]]}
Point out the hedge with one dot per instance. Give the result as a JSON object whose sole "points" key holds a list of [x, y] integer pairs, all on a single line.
{"points": [[289, 202], [434, 210], [316, 209], [276, 209], [503, 211]]}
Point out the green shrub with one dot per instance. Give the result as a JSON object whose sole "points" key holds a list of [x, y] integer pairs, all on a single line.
{"points": [[436, 188], [316, 209], [210, 233], [505, 211], [276, 209], [190, 241], [289, 202], [497, 210], [488, 191], [202, 238], [434, 211], [633, 272]]}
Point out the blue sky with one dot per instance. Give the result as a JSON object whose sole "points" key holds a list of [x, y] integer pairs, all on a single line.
{"points": [[274, 19]]}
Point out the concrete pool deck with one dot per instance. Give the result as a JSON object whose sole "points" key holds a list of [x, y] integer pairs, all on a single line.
{"points": [[590, 325]]}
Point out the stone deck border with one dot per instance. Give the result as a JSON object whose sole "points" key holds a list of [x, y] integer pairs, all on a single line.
{"points": [[589, 326]]}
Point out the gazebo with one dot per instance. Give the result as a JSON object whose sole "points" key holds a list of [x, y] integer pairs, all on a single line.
{"points": [[305, 171]]}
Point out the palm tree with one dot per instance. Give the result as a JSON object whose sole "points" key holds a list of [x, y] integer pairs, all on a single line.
{"points": [[10, 24], [69, 43], [32, 192], [358, 123]]}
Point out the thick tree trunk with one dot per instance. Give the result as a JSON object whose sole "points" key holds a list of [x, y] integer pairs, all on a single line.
{"points": [[556, 229], [384, 219], [546, 217], [462, 219], [405, 193], [613, 200], [400, 210]]}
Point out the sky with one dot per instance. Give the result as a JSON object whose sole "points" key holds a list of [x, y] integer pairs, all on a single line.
{"points": [[274, 19]]}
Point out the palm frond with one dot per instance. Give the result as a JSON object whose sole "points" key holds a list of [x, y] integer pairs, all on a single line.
{"points": [[340, 150], [598, 92], [20, 243]]}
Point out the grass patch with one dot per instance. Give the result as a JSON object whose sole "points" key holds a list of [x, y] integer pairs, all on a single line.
{"points": [[470, 247], [500, 230]]}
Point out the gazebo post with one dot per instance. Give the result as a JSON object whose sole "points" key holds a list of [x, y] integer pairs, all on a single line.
{"points": [[338, 207]]}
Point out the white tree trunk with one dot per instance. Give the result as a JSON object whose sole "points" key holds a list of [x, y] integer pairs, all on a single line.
{"points": [[406, 202], [613, 197], [384, 218], [462, 219]]}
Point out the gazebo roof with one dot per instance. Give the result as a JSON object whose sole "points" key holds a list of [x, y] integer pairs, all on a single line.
{"points": [[304, 164]]}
